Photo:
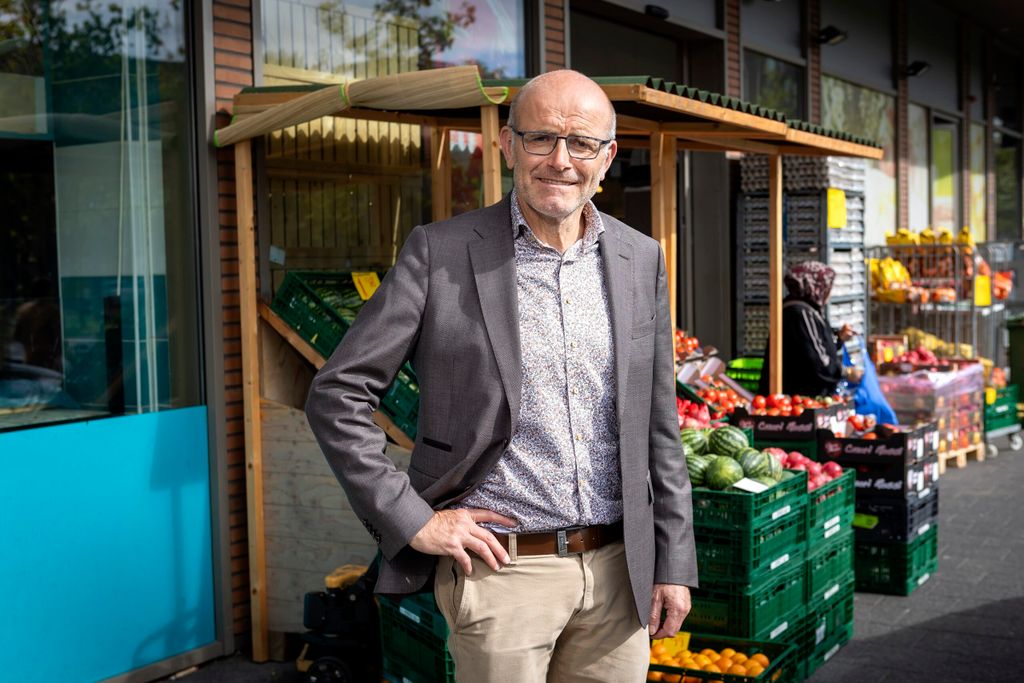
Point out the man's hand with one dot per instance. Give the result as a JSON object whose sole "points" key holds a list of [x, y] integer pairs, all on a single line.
{"points": [[453, 532], [675, 600]]}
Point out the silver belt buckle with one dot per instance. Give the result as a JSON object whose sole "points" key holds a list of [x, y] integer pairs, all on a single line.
{"points": [[562, 542]]}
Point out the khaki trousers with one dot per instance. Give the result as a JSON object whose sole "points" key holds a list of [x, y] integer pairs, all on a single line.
{"points": [[544, 619]]}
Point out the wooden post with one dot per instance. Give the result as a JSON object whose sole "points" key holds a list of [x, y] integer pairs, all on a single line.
{"points": [[492, 154], [248, 295], [775, 269], [440, 173], [663, 206]]}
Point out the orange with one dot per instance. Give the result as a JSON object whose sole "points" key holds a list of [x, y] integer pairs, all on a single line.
{"points": [[754, 669], [723, 663], [739, 658], [691, 679], [701, 660], [709, 653], [654, 675], [737, 669], [728, 652], [671, 678], [690, 664], [658, 649], [711, 668], [761, 659]]}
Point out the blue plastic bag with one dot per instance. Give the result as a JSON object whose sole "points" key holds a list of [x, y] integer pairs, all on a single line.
{"points": [[868, 398]]}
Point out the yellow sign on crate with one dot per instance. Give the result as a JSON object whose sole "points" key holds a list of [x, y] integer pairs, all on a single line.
{"points": [[366, 284], [836, 208]]}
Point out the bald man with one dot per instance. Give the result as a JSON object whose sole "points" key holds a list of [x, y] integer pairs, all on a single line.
{"points": [[547, 495]]}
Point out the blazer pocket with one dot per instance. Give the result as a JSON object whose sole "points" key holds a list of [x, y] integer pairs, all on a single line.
{"points": [[433, 458], [645, 328]]}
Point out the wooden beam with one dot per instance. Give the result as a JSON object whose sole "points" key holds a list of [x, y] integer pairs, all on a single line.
{"points": [[685, 105], [831, 145], [663, 206], [733, 143], [626, 122], [490, 128], [248, 296], [775, 266], [318, 361], [440, 173]]}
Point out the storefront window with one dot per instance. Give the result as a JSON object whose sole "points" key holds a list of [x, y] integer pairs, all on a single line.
{"points": [[773, 83], [945, 204], [98, 302], [360, 38], [1008, 189], [871, 114], [918, 172], [979, 200]]}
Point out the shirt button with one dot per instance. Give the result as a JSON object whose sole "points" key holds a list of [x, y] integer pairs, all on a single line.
{"points": [[568, 300], [572, 345], [579, 437]]}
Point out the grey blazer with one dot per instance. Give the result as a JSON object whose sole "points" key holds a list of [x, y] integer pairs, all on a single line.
{"points": [[450, 305]]}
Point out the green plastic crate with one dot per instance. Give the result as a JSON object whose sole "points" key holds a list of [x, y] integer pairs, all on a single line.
{"points": [[783, 659], [830, 509], [746, 555], [731, 509], [746, 372], [829, 567], [1003, 412], [298, 302], [766, 610], [896, 568], [413, 635], [825, 630], [402, 402]]}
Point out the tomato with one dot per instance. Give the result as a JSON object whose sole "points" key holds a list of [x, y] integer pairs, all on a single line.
{"points": [[798, 410], [711, 396], [773, 412], [759, 402]]}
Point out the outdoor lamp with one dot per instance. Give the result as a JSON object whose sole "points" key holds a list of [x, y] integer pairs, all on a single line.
{"points": [[830, 35], [916, 68]]}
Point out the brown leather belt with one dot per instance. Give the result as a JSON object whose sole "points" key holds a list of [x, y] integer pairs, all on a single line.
{"points": [[563, 541]]}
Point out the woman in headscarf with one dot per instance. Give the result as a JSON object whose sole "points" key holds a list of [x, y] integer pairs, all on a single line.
{"points": [[811, 350]]}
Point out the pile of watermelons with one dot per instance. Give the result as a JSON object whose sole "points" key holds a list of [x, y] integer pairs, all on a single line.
{"points": [[718, 458]]}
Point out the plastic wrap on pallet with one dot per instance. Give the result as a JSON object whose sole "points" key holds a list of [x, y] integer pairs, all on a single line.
{"points": [[928, 392]]}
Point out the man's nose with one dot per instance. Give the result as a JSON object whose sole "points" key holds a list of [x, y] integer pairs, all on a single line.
{"points": [[560, 156]]}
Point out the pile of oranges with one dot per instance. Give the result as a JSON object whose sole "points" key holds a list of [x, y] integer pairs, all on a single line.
{"points": [[726, 660]]}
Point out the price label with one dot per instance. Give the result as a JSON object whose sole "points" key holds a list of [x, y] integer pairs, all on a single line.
{"points": [[409, 615], [836, 208], [778, 630], [831, 591], [366, 284], [780, 561], [784, 510]]}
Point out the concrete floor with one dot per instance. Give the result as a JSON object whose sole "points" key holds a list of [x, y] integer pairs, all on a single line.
{"points": [[965, 624]]}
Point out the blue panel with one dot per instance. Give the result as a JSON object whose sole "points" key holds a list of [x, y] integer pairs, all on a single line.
{"points": [[105, 546]]}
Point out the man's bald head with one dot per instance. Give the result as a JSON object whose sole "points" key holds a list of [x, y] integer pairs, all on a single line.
{"points": [[562, 80]]}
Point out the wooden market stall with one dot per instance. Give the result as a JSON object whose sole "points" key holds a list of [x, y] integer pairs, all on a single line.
{"points": [[670, 117]]}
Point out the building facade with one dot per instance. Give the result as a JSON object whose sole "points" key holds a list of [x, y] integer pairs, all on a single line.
{"points": [[121, 419]]}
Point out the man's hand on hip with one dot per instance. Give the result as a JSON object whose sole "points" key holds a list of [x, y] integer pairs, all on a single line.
{"points": [[675, 600], [453, 532]]}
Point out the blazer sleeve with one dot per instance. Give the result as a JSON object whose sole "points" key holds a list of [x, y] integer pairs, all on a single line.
{"points": [[348, 388], [675, 554]]}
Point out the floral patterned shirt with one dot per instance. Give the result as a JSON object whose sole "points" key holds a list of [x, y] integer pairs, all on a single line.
{"points": [[561, 468]]}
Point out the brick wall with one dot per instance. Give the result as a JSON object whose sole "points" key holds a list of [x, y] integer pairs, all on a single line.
{"points": [[813, 23], [555, 38], [233, 69], [733, 82], [902, 115]]}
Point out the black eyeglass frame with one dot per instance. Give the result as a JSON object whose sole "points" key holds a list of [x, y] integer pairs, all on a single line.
{"points": [[523, 133]]}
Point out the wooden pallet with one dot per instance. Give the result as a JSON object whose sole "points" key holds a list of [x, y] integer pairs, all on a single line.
{"points": [[958, 457]]}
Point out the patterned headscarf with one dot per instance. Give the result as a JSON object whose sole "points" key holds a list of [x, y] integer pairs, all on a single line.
{"points": [[810, 281]]}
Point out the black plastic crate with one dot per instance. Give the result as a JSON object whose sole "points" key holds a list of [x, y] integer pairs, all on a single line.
{"points": [[896, 568], [898, 520]]}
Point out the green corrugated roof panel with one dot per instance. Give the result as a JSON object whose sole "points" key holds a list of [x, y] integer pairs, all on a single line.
{"points": [[834, 134]]}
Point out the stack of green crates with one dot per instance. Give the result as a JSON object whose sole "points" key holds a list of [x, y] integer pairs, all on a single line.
{"points": [[320, 307], [750, 554], [829, 572], [746, 372], [897, 568], [1002, 412], [412, 636]]}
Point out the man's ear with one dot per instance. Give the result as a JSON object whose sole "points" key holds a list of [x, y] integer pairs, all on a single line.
{"points": [[507, 138], [613, 148]]}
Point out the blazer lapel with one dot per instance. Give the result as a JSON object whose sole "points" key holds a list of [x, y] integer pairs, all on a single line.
{"points": [[618, 267], [494, 270]]}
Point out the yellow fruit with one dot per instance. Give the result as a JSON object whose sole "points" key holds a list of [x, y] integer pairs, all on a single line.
{"points": [[702, 660], [709, 653], [711, 668]]}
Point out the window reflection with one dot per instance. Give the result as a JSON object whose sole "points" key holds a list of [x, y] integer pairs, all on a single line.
{"points": [[97, 277]]}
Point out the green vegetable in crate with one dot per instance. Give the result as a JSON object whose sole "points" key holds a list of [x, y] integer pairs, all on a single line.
{"points": [[727, 441], [695, 439], [774, 467], [754, 463], [722, 473], [743, 451], [696, 466], [767, 481]]}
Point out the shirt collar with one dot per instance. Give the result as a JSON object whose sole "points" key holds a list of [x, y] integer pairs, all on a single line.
{"points": [[593, 226]]}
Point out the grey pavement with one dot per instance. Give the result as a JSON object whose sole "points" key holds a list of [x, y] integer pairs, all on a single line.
{"points": [[965, 624]]}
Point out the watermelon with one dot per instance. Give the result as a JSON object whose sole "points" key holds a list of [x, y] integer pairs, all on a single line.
{"points": [[767, 481], [774, 467], [754, 463], [696, 466], [743, 451], [728, 441], [722, 473], [695, 439]]}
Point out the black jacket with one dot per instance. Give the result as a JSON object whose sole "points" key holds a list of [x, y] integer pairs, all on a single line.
{"points": [[811, 364]]}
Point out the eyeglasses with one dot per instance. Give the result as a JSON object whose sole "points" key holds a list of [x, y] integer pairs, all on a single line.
{"points": [[542, 144]]}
